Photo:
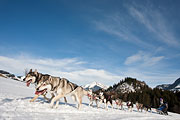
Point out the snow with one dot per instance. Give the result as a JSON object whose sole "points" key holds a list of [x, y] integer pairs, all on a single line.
{"points": [[126, 88], [163, 86], [178, 86], [14, 104]]}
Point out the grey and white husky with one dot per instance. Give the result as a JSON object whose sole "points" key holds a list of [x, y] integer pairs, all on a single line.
{"points": [[35, 78], [61, 87]]}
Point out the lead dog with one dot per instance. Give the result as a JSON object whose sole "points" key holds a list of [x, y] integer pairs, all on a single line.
{"points": [[36, 77], [61, 87]]}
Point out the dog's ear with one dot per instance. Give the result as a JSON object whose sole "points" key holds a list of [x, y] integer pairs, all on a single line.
{"points": [[30, 70], [35, 71]]}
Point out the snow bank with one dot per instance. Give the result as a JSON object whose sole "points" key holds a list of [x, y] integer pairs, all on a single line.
{"points": [[14, 104]]}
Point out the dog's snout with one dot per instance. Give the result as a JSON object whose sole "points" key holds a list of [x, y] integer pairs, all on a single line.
{"points": [[37, 89], [24, 79]]}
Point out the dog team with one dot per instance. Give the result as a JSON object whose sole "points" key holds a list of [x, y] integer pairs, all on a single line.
{"points": [[60, 87]]}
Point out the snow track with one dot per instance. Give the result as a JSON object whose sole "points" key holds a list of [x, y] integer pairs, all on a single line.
{"points": [[14, 104]]}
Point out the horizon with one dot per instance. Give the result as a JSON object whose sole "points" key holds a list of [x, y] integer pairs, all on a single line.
{"points": [[86, 41]]}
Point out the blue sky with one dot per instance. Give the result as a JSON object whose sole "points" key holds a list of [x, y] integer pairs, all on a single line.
{"points": [[97, 40]]}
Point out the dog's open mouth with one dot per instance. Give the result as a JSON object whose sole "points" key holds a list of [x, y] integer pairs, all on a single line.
{"points": [[28, 82], [40, 92]]}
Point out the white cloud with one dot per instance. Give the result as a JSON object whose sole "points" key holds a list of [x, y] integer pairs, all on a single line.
{"points": [[74, 70], [143, 58], [71, 68]]}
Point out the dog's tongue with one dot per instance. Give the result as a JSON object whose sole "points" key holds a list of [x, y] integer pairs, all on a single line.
{"points": [[28, 82], [40, 92], [37, 92]]}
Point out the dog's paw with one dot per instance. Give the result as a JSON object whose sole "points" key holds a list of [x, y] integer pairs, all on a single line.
{"points": [[51, 106], [56, 106]]}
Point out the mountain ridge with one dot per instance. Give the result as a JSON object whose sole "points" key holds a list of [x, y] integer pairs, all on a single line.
{"points": [[172, 87]]}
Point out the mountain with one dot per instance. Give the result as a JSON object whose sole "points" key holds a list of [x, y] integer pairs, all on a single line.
{"points": [[128, 85], [163, 86], [172, 87], [6, 74], [94, 86]]}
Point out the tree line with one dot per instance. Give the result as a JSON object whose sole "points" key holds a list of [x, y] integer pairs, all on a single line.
{"points": [[146, 95]]}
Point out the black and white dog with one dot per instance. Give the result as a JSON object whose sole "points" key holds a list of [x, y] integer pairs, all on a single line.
{"points": [[147, 108], [93, 97], [130, 106], [105, 98]]}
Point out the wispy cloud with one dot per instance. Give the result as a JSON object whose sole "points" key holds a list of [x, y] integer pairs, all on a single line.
{"points": [[143, 59], [133, 59], [70, 68], [154, 21], [115, 25], [123, 26]]}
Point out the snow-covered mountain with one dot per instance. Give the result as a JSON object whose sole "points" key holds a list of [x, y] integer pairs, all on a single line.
{"points": [[163, 86], [94, 86], [129, 85], [172, 87]]}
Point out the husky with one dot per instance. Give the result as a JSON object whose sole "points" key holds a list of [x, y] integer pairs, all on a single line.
{"points": [[147, 108], [105, 98], [35, 78], [130, 106], [119, 103], [139, 106], [93, 97], [61, 87]]}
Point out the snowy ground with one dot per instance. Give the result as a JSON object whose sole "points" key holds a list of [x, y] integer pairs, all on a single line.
{"points": [[14, 104]]}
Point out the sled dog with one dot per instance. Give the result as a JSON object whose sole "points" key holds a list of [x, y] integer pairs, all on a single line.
{"points": [[119, 103], [139, 106], [147, 108], [93, 97], [36, 77], [130, 106], [105, 98], [61, 87]]}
